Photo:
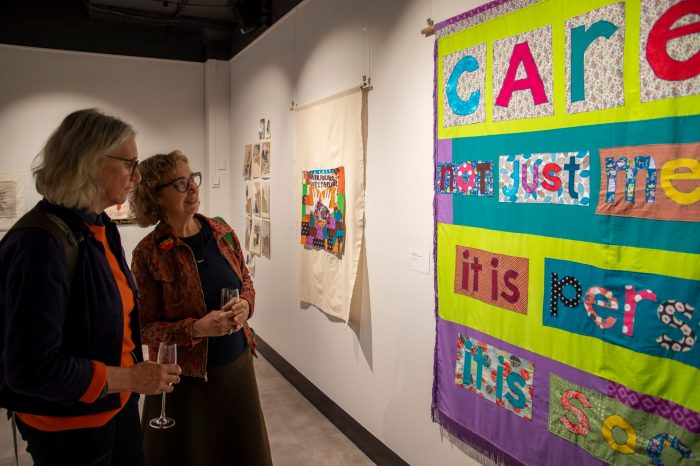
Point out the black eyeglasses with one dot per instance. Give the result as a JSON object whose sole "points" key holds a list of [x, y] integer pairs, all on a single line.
{"points": [[182, 183], [131, 163]]}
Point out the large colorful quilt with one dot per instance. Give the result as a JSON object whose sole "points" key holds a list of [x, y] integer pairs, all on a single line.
{"points": [[567, 231]]}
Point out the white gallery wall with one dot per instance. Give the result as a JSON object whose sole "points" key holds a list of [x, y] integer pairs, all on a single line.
{"points": [[162, 99], [381, 370]]}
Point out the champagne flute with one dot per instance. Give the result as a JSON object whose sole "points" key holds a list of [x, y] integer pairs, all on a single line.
{"points": [[227, 294], [167, 354]]}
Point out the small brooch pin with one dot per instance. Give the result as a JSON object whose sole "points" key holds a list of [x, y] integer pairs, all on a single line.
{"points": [[166, 244]]}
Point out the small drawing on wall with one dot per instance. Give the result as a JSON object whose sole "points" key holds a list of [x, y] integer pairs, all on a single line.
{"points": [[255, 236], [265, 199], [8, 199], [265, 160], [121, 214], [265, 239], [248, 229], [11, 198], [250, 262], [256, 172], [257, 200], [261, 129], [247, 161], [249, 197], [268, 133]]}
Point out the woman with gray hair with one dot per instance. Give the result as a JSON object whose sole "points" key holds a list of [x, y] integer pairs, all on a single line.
{"points": [[71, 366], [181, 268]]}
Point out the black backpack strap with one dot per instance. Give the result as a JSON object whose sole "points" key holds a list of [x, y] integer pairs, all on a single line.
{"points": [[69, 239]]}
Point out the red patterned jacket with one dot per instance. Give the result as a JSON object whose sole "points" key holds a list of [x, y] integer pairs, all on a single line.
{"points": [[171, 296]]}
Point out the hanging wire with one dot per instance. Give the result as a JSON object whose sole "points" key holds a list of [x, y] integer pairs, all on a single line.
{"points": [[366, 50], [294, 56], [429, 30]]}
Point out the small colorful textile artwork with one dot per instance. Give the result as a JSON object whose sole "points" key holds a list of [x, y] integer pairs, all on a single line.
{"points": [[566, 184], [323, 210], [561, 178], [495, 375]]}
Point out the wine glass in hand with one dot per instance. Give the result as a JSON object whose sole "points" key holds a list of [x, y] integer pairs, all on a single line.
{"points": [[228, 294], [167, 354]]}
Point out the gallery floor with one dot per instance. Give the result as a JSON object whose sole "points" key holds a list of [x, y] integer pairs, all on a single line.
{"points": [[299, 434]]}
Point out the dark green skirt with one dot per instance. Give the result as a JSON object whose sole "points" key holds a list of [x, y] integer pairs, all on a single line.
{"points": [[218, 422]]}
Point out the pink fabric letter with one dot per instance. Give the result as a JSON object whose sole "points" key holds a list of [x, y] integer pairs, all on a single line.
{"points": [[533, 81], [631, 300]]}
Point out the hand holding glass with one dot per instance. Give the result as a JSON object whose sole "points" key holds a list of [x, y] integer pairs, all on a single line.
{"points": [[227, 294], [167, 354]]}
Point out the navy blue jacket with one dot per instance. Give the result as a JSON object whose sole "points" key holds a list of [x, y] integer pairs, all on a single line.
{"points": [[50, 328]]}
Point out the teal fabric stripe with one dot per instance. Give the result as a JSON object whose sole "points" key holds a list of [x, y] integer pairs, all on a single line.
{"points": [[568, 221]]}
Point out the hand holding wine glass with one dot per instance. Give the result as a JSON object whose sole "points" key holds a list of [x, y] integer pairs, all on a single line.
{"points": [[167, 354], [228, 295]]}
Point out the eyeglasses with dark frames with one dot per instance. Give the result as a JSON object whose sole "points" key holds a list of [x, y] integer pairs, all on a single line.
{"points": [[133, 164], [181, 184]]}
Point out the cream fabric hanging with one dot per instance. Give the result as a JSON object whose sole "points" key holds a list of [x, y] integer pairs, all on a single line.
{"points": [[329, 134]]}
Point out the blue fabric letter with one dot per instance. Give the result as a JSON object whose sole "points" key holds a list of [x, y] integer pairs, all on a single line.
{"points": [[457, 104]]}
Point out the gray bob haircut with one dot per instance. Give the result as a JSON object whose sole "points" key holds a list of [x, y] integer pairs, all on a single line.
{"points": [[65, 168]]}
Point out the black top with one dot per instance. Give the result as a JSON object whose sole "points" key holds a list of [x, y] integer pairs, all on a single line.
{"points": [[215, 273]]}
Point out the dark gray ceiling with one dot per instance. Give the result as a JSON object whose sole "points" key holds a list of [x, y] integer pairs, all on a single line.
{"points": [[191, 30]]}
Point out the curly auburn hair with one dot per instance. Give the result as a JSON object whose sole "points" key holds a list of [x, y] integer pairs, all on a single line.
{"points": [[154, 171]]}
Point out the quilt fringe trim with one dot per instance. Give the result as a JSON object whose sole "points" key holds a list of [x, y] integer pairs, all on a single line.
{"points": [[472, 444]]}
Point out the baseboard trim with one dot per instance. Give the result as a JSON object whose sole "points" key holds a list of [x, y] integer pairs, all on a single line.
{"points": [[365, 441]]}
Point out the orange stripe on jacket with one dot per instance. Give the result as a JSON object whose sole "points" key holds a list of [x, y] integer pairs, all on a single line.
{"points": [[99, 374]]}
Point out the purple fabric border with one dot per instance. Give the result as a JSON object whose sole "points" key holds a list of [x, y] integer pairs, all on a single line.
{"points": [[433, 405], [528, 442], [685, 418], [444, 201], [470, 13]]}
